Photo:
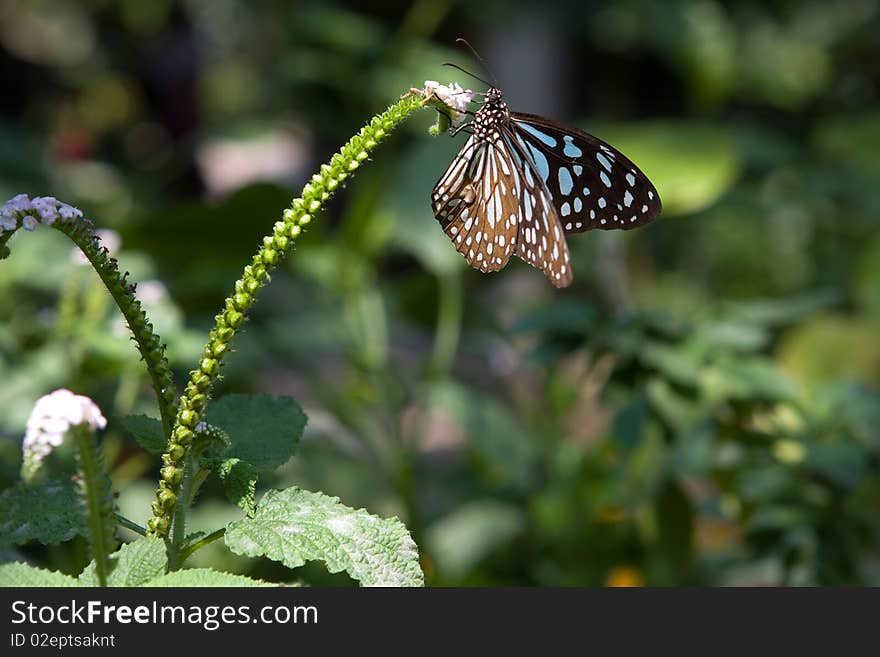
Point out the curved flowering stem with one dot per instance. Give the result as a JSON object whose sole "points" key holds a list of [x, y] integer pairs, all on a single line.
{"points": [[26, 213], [149, 343], [256, 275]]}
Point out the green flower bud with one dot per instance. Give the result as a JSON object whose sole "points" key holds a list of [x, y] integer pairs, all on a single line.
{"points": [[188, 418], [183, 435], [242, 301], [172, 475], [167, 499], [209, 366], [234, 318], [270, 257]]}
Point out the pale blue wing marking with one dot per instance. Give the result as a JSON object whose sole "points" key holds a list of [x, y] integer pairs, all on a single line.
{"points": [[543, 136], [566, 184], [570, 149]]}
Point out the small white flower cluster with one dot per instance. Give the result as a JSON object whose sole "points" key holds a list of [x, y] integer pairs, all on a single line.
{"points": [[52, 416], [451, 95], [32, 211]]}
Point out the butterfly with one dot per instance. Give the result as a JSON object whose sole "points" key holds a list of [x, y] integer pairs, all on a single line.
{"points": [[522, 182]]}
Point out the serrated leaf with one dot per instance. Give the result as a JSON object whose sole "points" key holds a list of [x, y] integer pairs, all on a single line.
{"points": [[239, 480], [132, 565], [48, 512], [264, 430], [24, 575], [294, 526], [204, 577], [147, 431]]}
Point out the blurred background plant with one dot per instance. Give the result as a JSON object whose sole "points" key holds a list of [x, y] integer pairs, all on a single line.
{"points": [[701, 406]]}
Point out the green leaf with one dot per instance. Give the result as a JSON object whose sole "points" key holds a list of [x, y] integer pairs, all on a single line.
{"points": [[675, 528], [829, 347], [855, 406], [678, 363], [293, 526], [24, 575], [853, 140], [132, 565], [147, 431], [560, 316], [679, 411], [780, 312], [48, 512], [460, 540], [203, 577], [747, 378], [843, 462], [407, 220], [497, 441], [688, 181], [239, 480], [264, 430]]}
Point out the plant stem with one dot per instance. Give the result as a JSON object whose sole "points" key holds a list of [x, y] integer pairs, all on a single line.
{"points": [[186, 552], [449, 312], [168, 501], [95, 487], [130, 524], [178, 528]]}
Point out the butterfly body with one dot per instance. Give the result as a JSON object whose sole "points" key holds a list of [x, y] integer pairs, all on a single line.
{"points": [[522, 182]]}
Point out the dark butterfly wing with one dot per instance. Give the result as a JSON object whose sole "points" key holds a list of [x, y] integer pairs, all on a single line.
{"points": [[477, 203], [540, 240], [592, 184]]}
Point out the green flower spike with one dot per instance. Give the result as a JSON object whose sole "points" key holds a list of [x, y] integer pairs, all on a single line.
{"points": [[295, 219]]}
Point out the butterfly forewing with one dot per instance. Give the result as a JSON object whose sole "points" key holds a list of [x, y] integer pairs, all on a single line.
{"points": [[477, 203], [592, 184]]}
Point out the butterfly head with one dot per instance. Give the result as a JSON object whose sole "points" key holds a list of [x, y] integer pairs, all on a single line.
{"points": [[492, 114], [494, 96]]}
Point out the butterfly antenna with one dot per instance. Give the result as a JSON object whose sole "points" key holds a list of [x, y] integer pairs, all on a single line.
{"points": [[480, 59], [466, 72]]}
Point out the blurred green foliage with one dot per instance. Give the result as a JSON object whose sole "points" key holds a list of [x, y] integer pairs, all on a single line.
{"points": [[701, 406]]}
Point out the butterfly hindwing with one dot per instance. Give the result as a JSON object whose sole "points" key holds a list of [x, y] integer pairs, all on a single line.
{"points": [[540, 240], [592, 184], [477, 203]]}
